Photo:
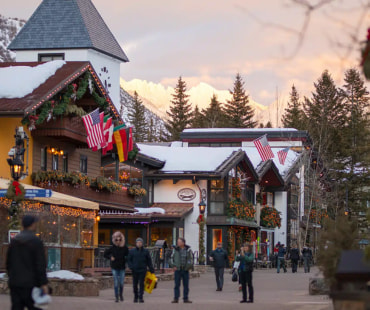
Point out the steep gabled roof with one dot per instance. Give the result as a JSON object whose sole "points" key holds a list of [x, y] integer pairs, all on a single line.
{"points": [[64, 76], [67, 24], [269, 175]]}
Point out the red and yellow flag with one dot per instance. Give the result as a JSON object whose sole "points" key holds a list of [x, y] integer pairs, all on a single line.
{"points": [[122, 137]]}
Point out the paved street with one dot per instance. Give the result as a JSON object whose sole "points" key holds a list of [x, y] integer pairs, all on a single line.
{"points": [[272, 291]]}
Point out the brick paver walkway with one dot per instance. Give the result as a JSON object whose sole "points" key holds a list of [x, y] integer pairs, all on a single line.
{"points": [[272, 291]]}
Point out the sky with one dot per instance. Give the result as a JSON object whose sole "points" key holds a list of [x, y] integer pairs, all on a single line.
{"points": [[211, 40]]}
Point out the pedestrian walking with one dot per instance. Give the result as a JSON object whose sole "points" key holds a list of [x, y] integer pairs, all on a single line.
{"points": [[182, 261], [245, 272], [307, 257], [294, 257], [276, 251], [139, 261], [281, 258], [26, 265], [219, 259], [117, 254]]}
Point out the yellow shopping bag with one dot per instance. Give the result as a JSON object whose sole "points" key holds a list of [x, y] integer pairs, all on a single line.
{"points": [[149, 282]]}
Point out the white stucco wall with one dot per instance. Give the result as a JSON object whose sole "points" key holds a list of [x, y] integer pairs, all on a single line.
{"points": [[97, 59], [281, 205], [166, 191]]}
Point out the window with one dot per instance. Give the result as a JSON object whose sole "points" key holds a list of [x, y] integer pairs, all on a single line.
{"points": [[151, 192], [132, 235], [54, 162], [43, 159], [83, 164], [65, 162], [217, 197], [50, 57]]}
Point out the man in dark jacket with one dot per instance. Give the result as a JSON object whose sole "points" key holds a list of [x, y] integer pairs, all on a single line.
{"points": [[139, 261], [26, 265], [294, 257], [182, 261], [219, 259], [281, 258]]}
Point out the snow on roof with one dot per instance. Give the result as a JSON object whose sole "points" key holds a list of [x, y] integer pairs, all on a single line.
{"points": [[19, 81], [255, 158], [190, 130], [65, 274], [150, 210], [187, 158]]}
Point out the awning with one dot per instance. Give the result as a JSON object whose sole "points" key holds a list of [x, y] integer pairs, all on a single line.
{"points": [[229, 221], [57, 198], [172, 212]]}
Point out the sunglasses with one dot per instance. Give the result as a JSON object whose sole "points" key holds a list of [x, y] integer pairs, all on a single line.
{"points": [[118, 240]]}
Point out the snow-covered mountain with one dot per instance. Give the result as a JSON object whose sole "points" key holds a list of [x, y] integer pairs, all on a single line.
{"points": [[156, 124], [158, 98], [9, 27]]}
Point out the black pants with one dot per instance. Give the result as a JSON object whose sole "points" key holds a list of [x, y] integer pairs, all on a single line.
{"points": [[21, 298], [138, 283], [246, 279], [219, 272], [294, 265]]}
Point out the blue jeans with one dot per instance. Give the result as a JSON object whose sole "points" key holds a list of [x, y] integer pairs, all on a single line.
{"points": [[184, 275], [281, 263], [307, 264], [119, 279]]}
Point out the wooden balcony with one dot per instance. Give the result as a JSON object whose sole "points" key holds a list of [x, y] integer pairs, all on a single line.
{"points": [[120, 199], [66, 128]]}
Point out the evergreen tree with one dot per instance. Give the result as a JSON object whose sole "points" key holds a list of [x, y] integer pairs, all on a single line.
{"points": [[197, 120], [152, 130], [238, 110], [326, 118], [136, 117], [293, 116], [180, 114], [268, 125], [214, 115], [356, 146]]}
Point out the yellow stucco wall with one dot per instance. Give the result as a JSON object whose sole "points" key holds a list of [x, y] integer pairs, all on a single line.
{"points": [[7, 141]]}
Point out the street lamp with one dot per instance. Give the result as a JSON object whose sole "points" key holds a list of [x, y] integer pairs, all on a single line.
{"points": [[16, 168], [202, 207]]}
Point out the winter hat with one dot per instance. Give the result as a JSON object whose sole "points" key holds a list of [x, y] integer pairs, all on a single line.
{"points": [[41, 300], [140, 240], [28, 220]]}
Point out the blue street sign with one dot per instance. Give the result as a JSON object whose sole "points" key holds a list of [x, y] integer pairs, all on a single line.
{"points": [[32, 193]]}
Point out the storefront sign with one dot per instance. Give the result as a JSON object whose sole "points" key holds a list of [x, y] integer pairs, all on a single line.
{"points": [[186, 194], [12, 234]]}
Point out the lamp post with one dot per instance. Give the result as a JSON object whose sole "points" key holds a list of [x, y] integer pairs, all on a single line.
{"points": [[202, 207]]}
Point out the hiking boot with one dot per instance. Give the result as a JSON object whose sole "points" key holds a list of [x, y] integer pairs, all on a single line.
{"points": [[175, 301], [187, 301]]}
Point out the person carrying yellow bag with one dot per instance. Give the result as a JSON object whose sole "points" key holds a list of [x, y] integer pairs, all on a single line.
{"points": [[150, 282]]}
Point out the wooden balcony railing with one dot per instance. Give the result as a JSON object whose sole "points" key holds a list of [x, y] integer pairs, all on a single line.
{"points": [[120, 199], [71, 128]]}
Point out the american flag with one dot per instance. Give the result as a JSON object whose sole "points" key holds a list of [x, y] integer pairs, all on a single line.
{"points": [[94, 128], [282, 154], [263, 148]]}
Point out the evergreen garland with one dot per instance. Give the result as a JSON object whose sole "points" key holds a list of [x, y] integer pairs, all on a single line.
{"points": [[65, 105]]}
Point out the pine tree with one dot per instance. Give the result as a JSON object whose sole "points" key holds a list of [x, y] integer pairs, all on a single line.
{"points": [[180, 114], [293, 116], [136, 117], [268, 125], [238, 110], [152, 130], [197, 120], [356, 146], [214, 115], [326, 117]]}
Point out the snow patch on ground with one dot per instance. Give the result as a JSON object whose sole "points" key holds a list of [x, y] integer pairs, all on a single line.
{"points": [[19, 81], [65, 275]]}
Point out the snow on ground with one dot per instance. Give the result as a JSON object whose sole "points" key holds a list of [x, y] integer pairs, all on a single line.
{"points": [[19, 81], [149, 210], [65, 275]]}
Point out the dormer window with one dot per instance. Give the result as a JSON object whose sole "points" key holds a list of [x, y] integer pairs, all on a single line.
{"points": [[50, 57]]}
